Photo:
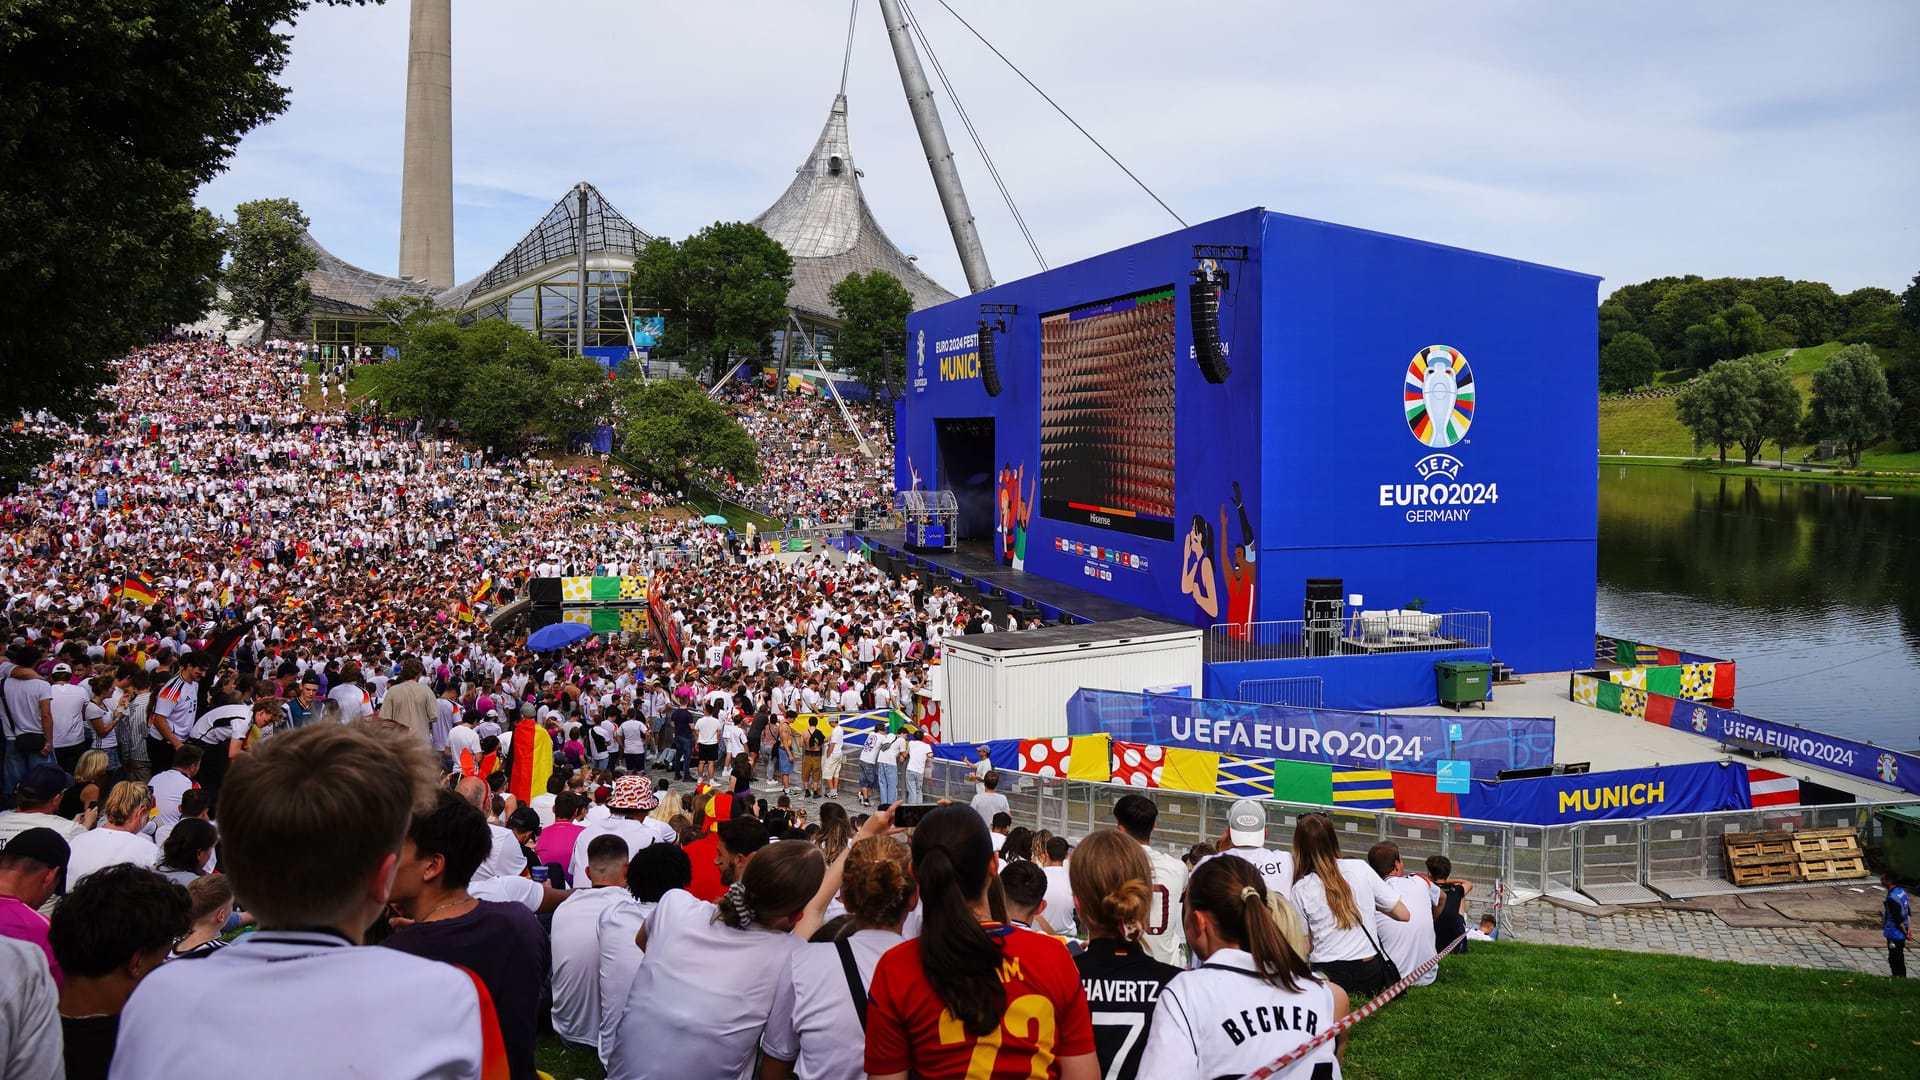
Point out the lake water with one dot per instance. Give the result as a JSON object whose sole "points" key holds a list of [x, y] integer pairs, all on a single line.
{"points": [[1813, 588]]}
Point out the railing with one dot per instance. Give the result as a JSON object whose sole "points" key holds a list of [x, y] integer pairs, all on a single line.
{"points": [[1680, 855], [847, 415], [1301, 692], [1358, 634]]}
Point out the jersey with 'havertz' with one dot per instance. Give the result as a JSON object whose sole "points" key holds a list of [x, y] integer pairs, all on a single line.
{"points": [[909, 1029], [1123, 984]]}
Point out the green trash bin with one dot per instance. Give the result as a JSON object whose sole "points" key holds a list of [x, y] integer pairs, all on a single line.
{"points": [[1900, 841], [1463, 682]]}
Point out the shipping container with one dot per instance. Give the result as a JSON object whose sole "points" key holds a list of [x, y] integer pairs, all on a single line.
{"points": [[1016, 686]]}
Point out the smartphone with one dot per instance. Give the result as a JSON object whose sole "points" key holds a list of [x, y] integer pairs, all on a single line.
{"points": [[910, 815]]}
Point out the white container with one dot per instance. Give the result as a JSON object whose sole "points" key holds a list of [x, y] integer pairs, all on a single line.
{"points": [[1016, 686]]}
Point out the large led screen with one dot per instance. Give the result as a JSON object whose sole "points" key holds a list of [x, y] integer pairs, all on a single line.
{"points": [[1106, 414]]}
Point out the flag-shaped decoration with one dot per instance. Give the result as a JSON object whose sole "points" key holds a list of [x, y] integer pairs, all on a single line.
{"points": [[480, 589], [1091, 758], [1659, 710], [632, 588], [1045, 757], [1723, 681], [1308, 782], [532, 760], [138, 588], [1246, 778], [1633, 676], [897, 722], [1771, 788], [1190, 770], [1664, 679], [1586, 691], [1137, 765], [1363, 789], [1633, 702], [1414, 793], [1607, 697], [1696, 682]]}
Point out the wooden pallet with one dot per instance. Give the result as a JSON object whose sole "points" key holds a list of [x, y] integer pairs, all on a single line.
{"points": [[1756, 844], [1816, 868], [1775, 870], [1826, 842]]}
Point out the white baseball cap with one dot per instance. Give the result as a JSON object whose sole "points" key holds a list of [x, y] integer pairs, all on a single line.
{"points": [[1247, 824]]}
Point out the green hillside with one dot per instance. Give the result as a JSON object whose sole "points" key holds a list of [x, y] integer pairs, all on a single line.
{"points": [[1647, 427]]}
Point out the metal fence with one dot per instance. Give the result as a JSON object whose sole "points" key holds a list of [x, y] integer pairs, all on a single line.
{"points": [[1363, 633], [1625, 860], [1300, 692]]}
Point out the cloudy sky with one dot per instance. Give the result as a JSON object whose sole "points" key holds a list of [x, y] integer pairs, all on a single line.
{"points": [[1626, 140]]}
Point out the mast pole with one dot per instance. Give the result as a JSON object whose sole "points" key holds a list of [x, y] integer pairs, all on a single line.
{"points": [[933, 139]]}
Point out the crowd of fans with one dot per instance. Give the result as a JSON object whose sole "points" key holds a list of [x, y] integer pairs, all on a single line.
{"points": [[811, 469], [256, 720]]}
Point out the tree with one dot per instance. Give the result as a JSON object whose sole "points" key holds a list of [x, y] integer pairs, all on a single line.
{"points": [[723, 292], [1776, 404], [117, 115], [1851, 403], [873, 309], [1910, 305], [578, 396], [1629, 360], [499, 404], [268, 265], [1718, 407], [678, 433], [431, 377]]}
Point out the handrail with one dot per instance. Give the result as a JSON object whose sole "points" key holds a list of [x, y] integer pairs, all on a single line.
{"points": [[724, 379]]}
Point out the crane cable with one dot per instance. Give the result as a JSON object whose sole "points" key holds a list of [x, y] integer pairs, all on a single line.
{"points": [[973, 134], [1056, 108]]}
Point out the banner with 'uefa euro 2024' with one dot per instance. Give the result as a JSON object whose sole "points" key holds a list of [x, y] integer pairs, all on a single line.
{"points": [[1402, 742]]}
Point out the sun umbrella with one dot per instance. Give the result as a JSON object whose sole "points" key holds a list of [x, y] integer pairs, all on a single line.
{"points": [[714, 519], [555, 635]]}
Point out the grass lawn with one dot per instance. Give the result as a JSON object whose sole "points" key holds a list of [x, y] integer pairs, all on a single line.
{"points": [[1530, 1011], [562, 1062], [1642, 426], [1514, 1010], [736, 515]]}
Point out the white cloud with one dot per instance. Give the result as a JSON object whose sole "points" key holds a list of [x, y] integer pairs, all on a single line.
{"points": [[1623, 140]]}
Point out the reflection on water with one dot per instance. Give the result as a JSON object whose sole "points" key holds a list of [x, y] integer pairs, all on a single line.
{"points": [[1813, 588]]}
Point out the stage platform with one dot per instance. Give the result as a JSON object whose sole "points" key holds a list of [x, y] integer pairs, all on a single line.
{"points": [[973, 567]]}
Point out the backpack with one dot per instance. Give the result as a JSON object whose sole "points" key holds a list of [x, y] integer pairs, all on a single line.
{"points": [[816, 741]]}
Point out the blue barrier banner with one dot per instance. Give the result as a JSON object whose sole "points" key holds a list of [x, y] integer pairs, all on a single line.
{"points": [[1406, 742], [1624, 793], [1003, 754], [1866, 761]]}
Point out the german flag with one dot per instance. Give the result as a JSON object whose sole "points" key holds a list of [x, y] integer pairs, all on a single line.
{"points": [[480, 589], [138, 588]]}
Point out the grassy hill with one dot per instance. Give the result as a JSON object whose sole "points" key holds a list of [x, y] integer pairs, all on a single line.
{"points": [[1514, 1010], [1647, 426]]}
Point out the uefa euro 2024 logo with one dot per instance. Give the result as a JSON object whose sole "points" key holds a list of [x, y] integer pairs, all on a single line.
{"points": [[1887, 769], [1439, 396]]}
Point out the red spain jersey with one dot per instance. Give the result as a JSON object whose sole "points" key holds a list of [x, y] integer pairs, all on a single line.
{"points": [[910, 1030]]}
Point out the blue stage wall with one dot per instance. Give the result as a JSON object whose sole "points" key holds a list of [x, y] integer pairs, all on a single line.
{"points": [[1315, 428], [1357, 683]]}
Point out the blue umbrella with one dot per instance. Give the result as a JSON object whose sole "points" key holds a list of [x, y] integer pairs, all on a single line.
{"points": [[556, 635], [714, 519]]}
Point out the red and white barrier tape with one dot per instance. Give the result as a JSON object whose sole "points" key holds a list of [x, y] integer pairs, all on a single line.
{"points": [[1353, 1017]]}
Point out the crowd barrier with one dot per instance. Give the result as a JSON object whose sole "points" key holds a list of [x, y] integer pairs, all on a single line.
{"points": [[1858, 759], [631, 589], [1665, 671]]}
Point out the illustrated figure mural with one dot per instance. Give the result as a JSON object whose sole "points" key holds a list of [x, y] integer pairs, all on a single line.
{"points": [[1240, 568], [1015, 510], [1196, 568]]}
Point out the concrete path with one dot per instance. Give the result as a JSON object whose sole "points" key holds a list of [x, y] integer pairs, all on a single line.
{"points": [[1842, 932]]}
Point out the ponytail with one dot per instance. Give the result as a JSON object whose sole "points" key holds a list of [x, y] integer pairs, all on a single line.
{"points": [[951, 855], [1316, 850], [1231, 893]]}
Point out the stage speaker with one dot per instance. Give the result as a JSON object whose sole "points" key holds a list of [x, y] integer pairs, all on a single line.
{"points": [[1326, 588], [989, 367], [1203, 317], [859, 521], [997, 607]]}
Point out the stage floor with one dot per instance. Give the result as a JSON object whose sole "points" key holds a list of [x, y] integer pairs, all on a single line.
{"points": [[973, 562]]}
